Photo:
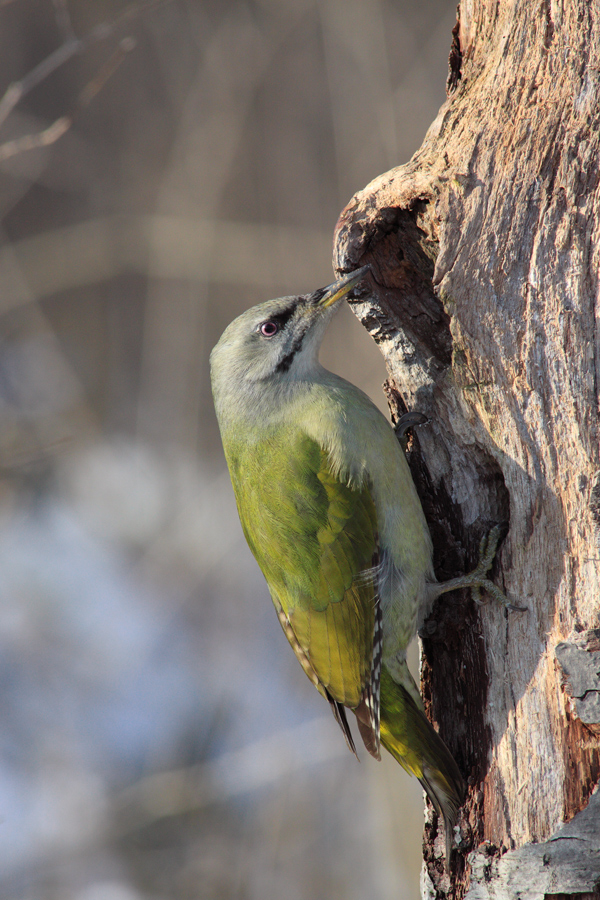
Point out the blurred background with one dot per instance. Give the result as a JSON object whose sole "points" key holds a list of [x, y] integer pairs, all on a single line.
{"points": [[163, 166]]}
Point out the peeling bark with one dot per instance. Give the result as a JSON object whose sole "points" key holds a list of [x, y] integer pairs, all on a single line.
{"points": [[485, 252]]}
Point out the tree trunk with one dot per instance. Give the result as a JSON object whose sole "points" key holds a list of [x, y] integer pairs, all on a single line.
{"points": [[485, 252]]}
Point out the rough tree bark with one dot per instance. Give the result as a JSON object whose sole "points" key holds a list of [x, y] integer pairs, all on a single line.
{"points": [[485, 251]]}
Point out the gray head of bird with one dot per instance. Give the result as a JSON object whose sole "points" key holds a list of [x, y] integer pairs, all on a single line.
{"points": [[275, 343]]}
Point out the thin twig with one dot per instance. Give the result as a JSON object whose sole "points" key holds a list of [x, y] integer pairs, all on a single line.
{"points": [[56, 130], [18, 89], [40, 139], [108, 69]]}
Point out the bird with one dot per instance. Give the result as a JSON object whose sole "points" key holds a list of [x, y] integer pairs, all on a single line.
{"points": [[329, 509]]}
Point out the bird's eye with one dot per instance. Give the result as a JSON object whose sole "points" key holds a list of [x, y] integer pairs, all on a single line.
{"points": [[268, 329]]}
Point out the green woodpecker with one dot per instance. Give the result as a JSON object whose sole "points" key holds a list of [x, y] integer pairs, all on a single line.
{"points": [[330, 511]]}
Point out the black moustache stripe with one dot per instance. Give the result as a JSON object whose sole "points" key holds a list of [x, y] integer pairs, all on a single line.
{"points": [[284, 364]]}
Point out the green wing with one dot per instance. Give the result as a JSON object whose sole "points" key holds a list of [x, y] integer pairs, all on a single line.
{"points": [[313, 535]]}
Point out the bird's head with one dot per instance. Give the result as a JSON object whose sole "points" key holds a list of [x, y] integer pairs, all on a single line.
{"points": [[278, 340]]}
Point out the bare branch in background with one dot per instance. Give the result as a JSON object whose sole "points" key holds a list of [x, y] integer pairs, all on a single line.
{"points": [[55, 131], [40, 139], [73, 45]]}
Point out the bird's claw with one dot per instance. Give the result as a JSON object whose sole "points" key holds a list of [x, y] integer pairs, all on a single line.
{"points": [[477, 580], [406, 421], [487, 553]]}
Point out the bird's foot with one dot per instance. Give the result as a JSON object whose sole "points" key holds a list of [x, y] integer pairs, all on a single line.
{"points": [[477, 579], [406, 421], [487, 552]]}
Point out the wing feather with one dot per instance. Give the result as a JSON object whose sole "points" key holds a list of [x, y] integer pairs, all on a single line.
{"points": [[314, 535]]}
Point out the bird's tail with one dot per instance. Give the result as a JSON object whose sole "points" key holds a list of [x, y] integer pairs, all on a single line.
{"points": [[411, 739]]}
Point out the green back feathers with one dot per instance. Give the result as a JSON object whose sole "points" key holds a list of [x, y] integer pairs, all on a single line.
{"points": [[313, 536]]}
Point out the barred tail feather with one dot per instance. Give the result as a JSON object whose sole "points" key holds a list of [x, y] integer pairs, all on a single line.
{"points": [[368, 711], [339, 712], [445, 804], [411, 739]]}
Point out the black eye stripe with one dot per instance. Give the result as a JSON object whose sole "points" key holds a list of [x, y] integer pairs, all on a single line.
{"points": [[280, 319]]}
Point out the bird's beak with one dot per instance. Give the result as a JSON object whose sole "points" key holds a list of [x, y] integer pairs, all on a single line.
{"points": [[342, 287]]}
